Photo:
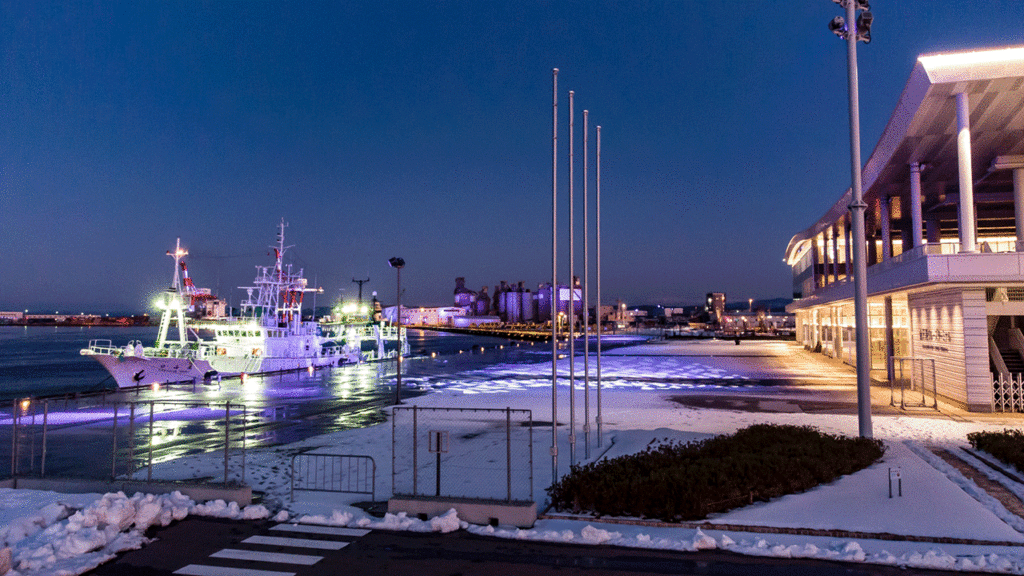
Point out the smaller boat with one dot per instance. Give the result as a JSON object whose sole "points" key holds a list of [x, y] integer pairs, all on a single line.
{"points": [[268, 336]]}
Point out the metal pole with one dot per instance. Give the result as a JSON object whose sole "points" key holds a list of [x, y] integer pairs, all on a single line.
{"points": [[415, 471], [597, 208], [554, 280], [394, 417], [572, 287], [586, 296], [113, 446], [14, 437], [227, 437], [131, 440], [857, 209], [42, 458], [245, 426], [32, 443], [508, 449], [398, 324], [149, 464]]}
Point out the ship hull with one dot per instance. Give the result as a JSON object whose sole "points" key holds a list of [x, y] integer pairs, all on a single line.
{"points": [[130, 371]]}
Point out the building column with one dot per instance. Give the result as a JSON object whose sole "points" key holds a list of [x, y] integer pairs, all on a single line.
{"points": [[966, 223], [890, 341], [835, 251], [1018, 205], [815, 259], [886, 228], [849, 246], [915, 205]]}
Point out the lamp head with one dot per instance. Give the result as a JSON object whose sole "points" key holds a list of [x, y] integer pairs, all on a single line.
{"points": [[396, 262], [864, 20], [838, 27]]}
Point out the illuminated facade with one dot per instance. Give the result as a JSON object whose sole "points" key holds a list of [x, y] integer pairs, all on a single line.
{"points": [[945, 237]]}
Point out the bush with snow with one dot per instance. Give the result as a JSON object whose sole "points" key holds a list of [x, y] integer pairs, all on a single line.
{"points": [[688, 481]]}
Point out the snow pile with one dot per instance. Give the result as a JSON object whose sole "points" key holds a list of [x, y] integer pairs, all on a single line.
{"points": [[445, 523], [60, 539]]}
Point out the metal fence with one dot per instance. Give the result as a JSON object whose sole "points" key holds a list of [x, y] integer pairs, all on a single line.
{"points": [[482, 453], [913, 381], [1008, 393], [334, 473], [96, 438]]}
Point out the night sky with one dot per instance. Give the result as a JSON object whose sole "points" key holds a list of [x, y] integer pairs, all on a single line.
{"points": [[423, 130]]}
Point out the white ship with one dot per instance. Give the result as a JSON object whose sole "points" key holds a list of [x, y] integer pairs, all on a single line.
{"points": [[268, 336]]}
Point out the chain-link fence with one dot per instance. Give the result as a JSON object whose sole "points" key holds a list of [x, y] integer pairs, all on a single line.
{"points": [[96, 438], [484, 453]]}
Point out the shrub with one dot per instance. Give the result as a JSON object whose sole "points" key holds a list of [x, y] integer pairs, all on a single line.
{"points": [[688, 481], [1007, 445]]}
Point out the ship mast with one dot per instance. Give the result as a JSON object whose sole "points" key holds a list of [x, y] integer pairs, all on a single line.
{"points": [[174, 303]]}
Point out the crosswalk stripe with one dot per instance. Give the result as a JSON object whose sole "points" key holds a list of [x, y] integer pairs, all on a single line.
{"points": [[295, 542], [329, 530], [201, 570], [277, 557]]}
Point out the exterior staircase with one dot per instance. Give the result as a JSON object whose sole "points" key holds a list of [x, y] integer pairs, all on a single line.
{"points": [[1012, 359]]}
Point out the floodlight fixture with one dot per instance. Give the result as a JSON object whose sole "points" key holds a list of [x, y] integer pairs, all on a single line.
{"points": [[396, 262], [838, 27], [864, 20]]}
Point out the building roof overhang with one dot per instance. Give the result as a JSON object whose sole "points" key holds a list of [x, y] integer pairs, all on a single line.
{"points": [[922, 129]]}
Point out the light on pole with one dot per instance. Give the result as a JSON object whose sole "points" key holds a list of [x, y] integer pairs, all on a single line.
{"points": [[856, 26], [397, 264]]}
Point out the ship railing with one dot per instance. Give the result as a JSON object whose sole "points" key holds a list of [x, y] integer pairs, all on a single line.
{"points": [[104, 347]]}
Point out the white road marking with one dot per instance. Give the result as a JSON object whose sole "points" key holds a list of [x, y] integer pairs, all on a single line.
{"points": [[201, 570], [295, 542], [330, 530], [278, 557]]}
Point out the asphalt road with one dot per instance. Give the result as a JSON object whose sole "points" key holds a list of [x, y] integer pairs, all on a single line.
{"points": [[197, 543]]}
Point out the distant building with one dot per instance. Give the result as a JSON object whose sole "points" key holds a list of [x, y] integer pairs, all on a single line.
{"points": [[424, 316], [714, 305]]}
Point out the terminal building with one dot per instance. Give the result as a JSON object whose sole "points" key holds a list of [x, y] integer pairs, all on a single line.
{"points": [[945, 237]]}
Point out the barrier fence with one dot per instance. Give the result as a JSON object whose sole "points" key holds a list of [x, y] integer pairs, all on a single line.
{"points": [[93, 438], [334, 473], [1008, 393], [914, 379], [476, 453]]}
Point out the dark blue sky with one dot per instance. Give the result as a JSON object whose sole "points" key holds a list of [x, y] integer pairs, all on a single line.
{"points": [[422, 130]]}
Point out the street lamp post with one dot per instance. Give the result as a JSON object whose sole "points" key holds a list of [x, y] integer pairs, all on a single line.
{"points": [[857, 27], [397, 264]]}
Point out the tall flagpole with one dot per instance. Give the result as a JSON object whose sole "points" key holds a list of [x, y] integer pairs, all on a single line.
{"points": [[597, 207], [554, 279], [572, 288], [586, 296]]}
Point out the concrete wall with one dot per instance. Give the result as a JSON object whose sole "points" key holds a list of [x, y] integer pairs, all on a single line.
{"points": [[949, 326]]}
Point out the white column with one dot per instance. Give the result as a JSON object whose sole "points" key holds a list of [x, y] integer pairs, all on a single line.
{"points": [[886, 230], [835, 251], [1018, 205], [849, 244], [915, 204], [968, 236]]}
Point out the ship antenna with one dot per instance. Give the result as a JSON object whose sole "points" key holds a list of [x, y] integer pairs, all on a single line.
{"points": [[178, 253]]}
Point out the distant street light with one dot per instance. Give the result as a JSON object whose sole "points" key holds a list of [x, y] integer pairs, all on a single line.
{"points": [[856, 28], [397, 264]]}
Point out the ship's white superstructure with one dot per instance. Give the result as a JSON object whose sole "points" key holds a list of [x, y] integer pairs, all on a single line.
{"points": [[268, 336]]}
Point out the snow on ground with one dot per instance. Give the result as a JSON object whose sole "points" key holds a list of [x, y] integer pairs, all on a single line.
{"points": [[60, 534], [636, 410]]}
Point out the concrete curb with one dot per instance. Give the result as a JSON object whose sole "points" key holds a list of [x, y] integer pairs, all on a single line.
{"points": [[845, 534], [242, 495]]}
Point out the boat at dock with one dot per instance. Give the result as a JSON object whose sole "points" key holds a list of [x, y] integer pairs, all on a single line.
{"points": [[268, 336]]}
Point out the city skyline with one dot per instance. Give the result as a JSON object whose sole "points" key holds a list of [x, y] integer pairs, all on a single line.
{"points": [[423, 131]]}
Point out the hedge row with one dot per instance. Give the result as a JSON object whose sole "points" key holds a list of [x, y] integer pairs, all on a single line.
{"points": [[688, 481], [1007, 445]]}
